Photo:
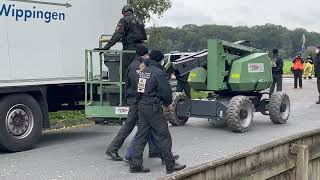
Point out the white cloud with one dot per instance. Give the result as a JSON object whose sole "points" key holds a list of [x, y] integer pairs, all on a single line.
{"points": [[290, 13]]}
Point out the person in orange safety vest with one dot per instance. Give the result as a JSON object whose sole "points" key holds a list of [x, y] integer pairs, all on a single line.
{"points": [[297, 68]]}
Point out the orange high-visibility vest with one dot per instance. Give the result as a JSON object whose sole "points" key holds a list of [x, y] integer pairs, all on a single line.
{"points": [[298, 65]]}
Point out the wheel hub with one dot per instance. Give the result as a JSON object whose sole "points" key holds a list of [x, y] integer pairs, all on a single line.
{"points": [[283, 107], [19, 121], [245, 116]]}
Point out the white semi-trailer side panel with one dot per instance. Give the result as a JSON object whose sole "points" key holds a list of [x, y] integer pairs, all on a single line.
{"points": [[35, 46], [4, 58], [45, 43]]}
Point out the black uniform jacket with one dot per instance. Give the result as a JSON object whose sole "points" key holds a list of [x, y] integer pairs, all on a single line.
{"points": [[153, 84]]}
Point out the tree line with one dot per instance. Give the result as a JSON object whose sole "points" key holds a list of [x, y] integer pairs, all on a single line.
{"points": [[267, 37]]}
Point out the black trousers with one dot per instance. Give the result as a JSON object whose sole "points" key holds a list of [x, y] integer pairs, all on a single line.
{"points": [[126, 130], [277, 81], [152, 118], [153, 147], [184, 87], [297, 77], [127, 59]]}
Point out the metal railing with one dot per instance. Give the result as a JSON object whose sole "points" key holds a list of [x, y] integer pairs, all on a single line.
{"points": [[292, 158], [96, 81]]}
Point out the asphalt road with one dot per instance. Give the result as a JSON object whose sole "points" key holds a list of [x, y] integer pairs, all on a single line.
{"points": [[79, 153]]}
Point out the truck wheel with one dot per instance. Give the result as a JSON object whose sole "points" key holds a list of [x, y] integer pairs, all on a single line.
{"points": [[239, 114], [20, 122], [171, 115], [279, 107]]}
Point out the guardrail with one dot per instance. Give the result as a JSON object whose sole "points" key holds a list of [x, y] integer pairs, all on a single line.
{"points": [[292, 158]]}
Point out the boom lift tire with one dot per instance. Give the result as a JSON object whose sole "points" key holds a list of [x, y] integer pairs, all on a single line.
{"points": [[279, 108], [239, 114], [171, 114], [21, 122]]}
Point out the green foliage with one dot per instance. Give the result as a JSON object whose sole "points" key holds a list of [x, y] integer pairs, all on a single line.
{"points": [[266, 37], [64, 119], [63, 115], [287, 67], [144, 9]]}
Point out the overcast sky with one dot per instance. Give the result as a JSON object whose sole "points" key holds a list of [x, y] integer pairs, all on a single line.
{"points": [[290, 13]]}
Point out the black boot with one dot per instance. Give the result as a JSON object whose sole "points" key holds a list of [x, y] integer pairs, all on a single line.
{"points": [[114, 155], [175, 167], [139, 169], [175, 157]]}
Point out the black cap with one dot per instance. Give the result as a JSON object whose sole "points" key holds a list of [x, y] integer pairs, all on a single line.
{"points": [[275, 51], [156, 55], [141, 50], [127, 8]]}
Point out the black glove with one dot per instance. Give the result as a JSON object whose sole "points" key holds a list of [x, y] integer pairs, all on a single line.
{"points": [[100, 49]]}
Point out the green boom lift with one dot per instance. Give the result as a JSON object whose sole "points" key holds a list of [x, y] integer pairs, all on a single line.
{"points": [[235, 77]]}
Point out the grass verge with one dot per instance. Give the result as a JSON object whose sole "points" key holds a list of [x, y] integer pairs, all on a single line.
{"points": [[65, 119]]}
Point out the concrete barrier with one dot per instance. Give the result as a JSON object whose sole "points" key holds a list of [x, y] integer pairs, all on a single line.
{"points": [[292, 158]]}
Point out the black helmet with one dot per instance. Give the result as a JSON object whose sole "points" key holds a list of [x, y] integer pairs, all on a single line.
{"points": [[156, 55], [141, 50], [127, 8]]}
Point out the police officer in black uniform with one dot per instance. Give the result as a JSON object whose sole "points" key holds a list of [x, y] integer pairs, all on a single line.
{"points": [[131, 97], [154, 91], [131, 32], [277, 71], [183, 85]]}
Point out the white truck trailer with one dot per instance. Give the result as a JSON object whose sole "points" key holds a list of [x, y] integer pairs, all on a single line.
{"points": [[42, 46]]}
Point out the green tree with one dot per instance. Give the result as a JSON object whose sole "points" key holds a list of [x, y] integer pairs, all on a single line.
{"points": [[145, 8], [267, 37]]}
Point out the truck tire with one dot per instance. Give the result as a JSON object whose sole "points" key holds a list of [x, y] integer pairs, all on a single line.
{"points": [[171, 115], [279, 107], [239, 114], [20, 122]]}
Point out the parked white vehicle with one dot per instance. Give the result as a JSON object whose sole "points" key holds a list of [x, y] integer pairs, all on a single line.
{"points": [[42, 46]]}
